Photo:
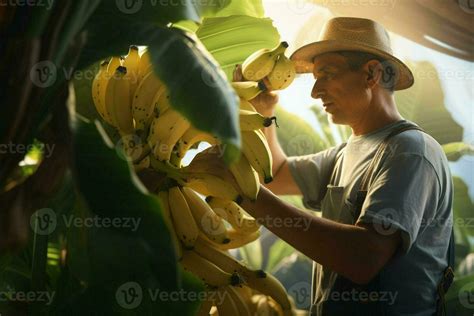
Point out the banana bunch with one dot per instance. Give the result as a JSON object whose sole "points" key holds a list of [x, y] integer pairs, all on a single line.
{"points": [[271, 64], [199, 202]]}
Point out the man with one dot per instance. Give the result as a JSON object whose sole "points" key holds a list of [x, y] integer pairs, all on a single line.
{"points": [[390, 259]]}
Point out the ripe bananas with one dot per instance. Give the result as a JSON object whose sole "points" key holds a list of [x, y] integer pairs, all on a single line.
{"points": [[130, 97], [258, 65]]}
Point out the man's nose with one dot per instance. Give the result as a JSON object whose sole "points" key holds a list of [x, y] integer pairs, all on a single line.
{"points": [[317, 92]]}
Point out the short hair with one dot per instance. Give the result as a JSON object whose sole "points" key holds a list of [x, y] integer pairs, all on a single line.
{"points": [[356, 59]]}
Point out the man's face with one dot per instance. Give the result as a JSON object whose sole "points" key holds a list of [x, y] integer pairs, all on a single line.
{"points": [[343, 92]]}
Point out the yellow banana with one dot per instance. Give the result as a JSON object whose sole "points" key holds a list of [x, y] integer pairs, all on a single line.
{"points": [[226, 305], [257, 151], [221, 258], [261, 63], [263, 308], [183, 220], [248, 90], [209, 222], [161, 101], [102, 83], [251, 120], [237, 239], [164, 199], [191, 137], [98, 81], [117, 102], [283, 74], [208, 272], [144, 66], [143, 106], [267, 284], [233, 214], [246, 177], [208, 184], [131, 62], [275, 308], [165, 131], [240, 302], [246, 105]]}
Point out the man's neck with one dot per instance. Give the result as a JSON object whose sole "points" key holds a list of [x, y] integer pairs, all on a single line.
{"points": [[377, 117]]}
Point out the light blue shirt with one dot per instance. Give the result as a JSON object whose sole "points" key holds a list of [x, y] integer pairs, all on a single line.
{"points": [[411, 190]]}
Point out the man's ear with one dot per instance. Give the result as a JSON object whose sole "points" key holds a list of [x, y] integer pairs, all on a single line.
{"points": [[374, 71]]}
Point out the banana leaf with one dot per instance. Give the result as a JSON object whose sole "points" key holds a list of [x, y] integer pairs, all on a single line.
{"points": [[277, 252], [424, 104], [230, 40], [456, 150], [296, 136]]}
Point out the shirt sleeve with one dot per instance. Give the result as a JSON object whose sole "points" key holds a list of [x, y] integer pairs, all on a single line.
{"points": [[311, 173], [403, 190]]}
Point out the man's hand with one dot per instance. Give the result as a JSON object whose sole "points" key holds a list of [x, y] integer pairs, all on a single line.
{"points": [[265, 102]]}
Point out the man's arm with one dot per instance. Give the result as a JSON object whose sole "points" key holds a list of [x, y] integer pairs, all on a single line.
{"points": [[356, 252]]}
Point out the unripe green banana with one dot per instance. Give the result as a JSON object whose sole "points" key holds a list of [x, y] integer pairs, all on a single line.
{"points": [[248, 90], [282, 74], [261, 63]]}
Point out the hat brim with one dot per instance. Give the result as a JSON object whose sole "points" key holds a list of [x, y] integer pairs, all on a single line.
{"points": [[304, 56]]}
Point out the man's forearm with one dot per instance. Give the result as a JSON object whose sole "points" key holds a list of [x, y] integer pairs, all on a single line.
{"points": [[345, 249], [278, 155]]}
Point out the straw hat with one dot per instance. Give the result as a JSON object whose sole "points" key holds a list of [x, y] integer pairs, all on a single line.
{"points": [[353, 34]]}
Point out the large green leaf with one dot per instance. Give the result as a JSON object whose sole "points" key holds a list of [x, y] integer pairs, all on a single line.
{"points": [[296, 136], [112, 190], [198, 88], [460, 297], [424, 104], [232, 39], [114, 26], [253, 8]]}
